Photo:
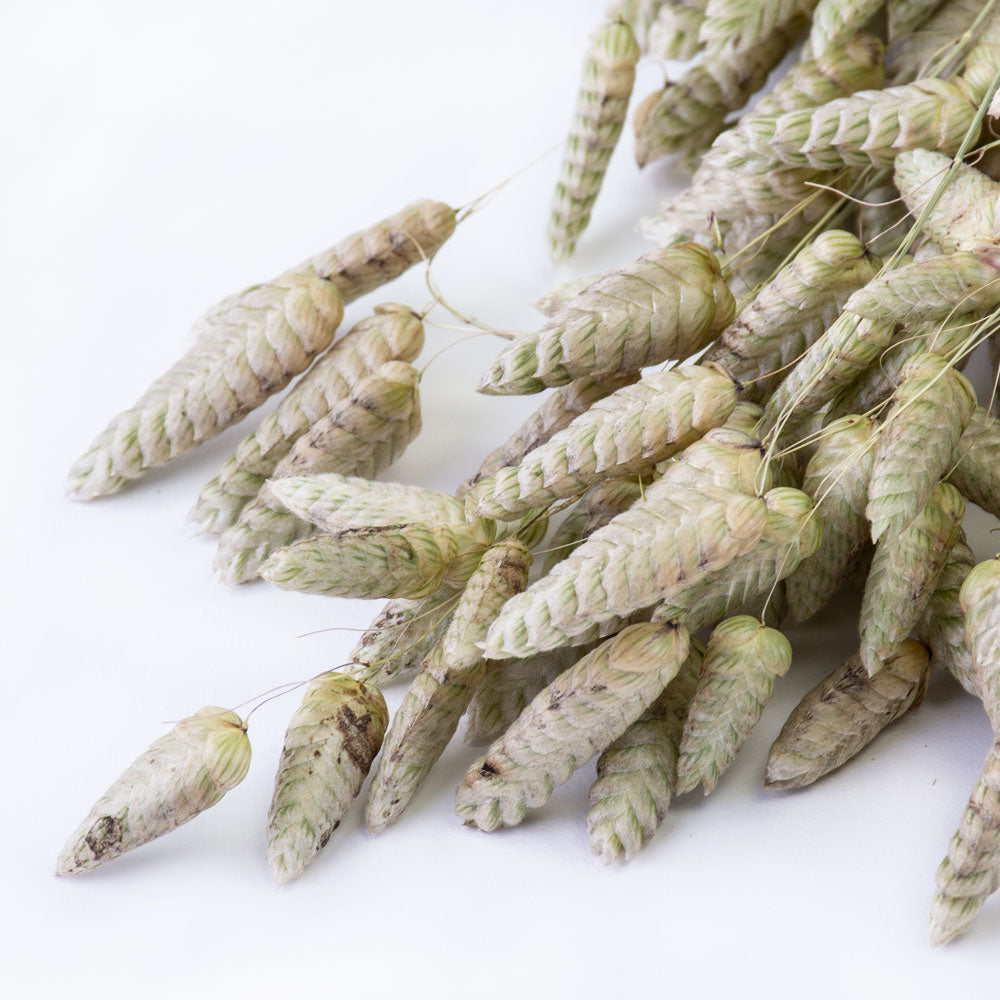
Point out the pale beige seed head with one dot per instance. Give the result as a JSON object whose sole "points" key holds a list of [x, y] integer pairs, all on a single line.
{"points": [[180, 775], [384, 539], [608, 499], [903, 17], [441, 692], [658, 23], [793, 310], [562, 294], [835, 20], [918, 444], [911, 56], [880, 381], [409, 561], [629, 431], [933, 289], [730, 456], [742, 660], [584, 710], [983, 60], [636, 774], [641, 557], [601, 106], [251, 344], [560, 408], [837, 479], [904, 573], [330, 744], [943, 624], [686, 115], [844, 712], [868, 128], [667, 304], [792, 533], [968, 875], [724, 192], [369, 258], [400, 636], [383, 406], [336, 502], [846, 350], [508, 687], [742, 24]]}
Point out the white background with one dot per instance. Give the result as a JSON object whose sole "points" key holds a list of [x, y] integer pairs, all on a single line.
{"points": [[158, 157]]}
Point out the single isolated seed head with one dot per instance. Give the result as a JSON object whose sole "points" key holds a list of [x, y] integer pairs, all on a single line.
{"points": [[183, 773]]}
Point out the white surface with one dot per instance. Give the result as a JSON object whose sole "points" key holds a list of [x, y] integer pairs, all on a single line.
{"points": [[160, 157]]}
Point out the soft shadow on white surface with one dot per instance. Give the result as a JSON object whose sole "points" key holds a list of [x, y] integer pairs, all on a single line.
{"points": [[162, 157]]}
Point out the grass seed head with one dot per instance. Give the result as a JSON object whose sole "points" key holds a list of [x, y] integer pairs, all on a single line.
{"points": [[942, 626], [440, 693], [918, 444], [575, 718], [976, 473], [837, 479], [183, 773], [839, 717], [559, 409], [742, 660], [968, 874], [643, 556], [625, 433], [369, 258], [979, 597], [668, 304], [738, 25], [904, 574], [601, 107], [361, 436], [246, 348], [330, 744], [965, 212], [793, 310], [636, 773], [686, 115]]}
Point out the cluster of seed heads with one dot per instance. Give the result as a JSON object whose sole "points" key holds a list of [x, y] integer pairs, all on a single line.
{"points": [[754, 415]]}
